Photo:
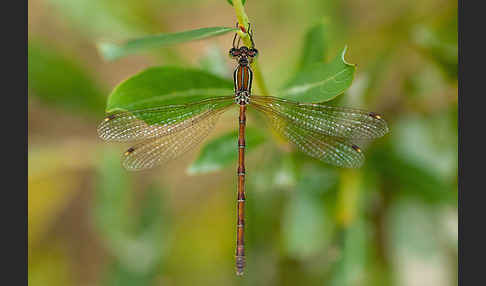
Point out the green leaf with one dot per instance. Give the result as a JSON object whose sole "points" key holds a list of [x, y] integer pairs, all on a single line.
{"points": [[231, 2], [159, 86], [321, 82], [315, 47], [440, 43], [306, 225], [118, 275], [135, 239], [222, 151], [111, 51], [412, 239], [59, 80], [350, 267], [112, 197], [420, 157], [412, 179]]}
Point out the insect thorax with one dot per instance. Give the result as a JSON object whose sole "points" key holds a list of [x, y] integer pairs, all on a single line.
{"points": [[243, 77], [242, 97]]}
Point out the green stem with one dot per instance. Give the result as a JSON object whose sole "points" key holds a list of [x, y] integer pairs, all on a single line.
{"points": [[347, 204], [243, 22]]}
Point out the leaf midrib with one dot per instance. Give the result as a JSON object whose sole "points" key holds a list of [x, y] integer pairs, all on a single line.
{"points": [[305, 87]]}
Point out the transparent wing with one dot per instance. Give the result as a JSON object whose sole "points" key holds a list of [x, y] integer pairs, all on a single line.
{"points": [[328, 120], [333, 150], [155, 151], [156, 122]]}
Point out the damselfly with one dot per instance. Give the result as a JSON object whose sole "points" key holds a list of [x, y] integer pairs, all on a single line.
{"points": [[320, 131]]}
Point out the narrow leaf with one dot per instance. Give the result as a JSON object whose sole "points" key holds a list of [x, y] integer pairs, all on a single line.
{"points": [[315, 47], [223, 151], [159, 86], [111, 51], [321, 82]]}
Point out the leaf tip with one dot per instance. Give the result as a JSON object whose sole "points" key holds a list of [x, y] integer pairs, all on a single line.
{"points": [[109, 51], [343, 57]]}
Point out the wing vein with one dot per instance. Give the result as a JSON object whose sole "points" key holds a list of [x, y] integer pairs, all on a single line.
{"points": [[330, 149], [150, 123], [332, 121]]}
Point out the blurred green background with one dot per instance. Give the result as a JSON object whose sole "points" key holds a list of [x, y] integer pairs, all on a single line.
{"points": [[392, 222]]}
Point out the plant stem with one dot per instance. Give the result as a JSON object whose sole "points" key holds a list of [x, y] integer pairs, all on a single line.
{"points": [[348, 198], [243, 22]]}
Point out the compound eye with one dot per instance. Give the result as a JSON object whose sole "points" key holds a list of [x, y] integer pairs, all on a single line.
{"points": [[234, 52], [253, 53]]}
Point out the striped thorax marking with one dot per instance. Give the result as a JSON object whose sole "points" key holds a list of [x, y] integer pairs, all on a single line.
{"points": [[243, 78]]}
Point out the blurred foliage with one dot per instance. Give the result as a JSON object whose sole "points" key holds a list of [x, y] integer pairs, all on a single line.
{"points": [[59, 80], [108, 18], [392, 222], [134, 234]]}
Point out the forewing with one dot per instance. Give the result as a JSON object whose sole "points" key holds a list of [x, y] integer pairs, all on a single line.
{"points": [[156, 122], [333, 150], [153, 152], [329, 120]]}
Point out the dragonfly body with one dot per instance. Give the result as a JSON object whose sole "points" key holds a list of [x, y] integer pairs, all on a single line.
{"points": [[243, 77], [163, 133]]}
